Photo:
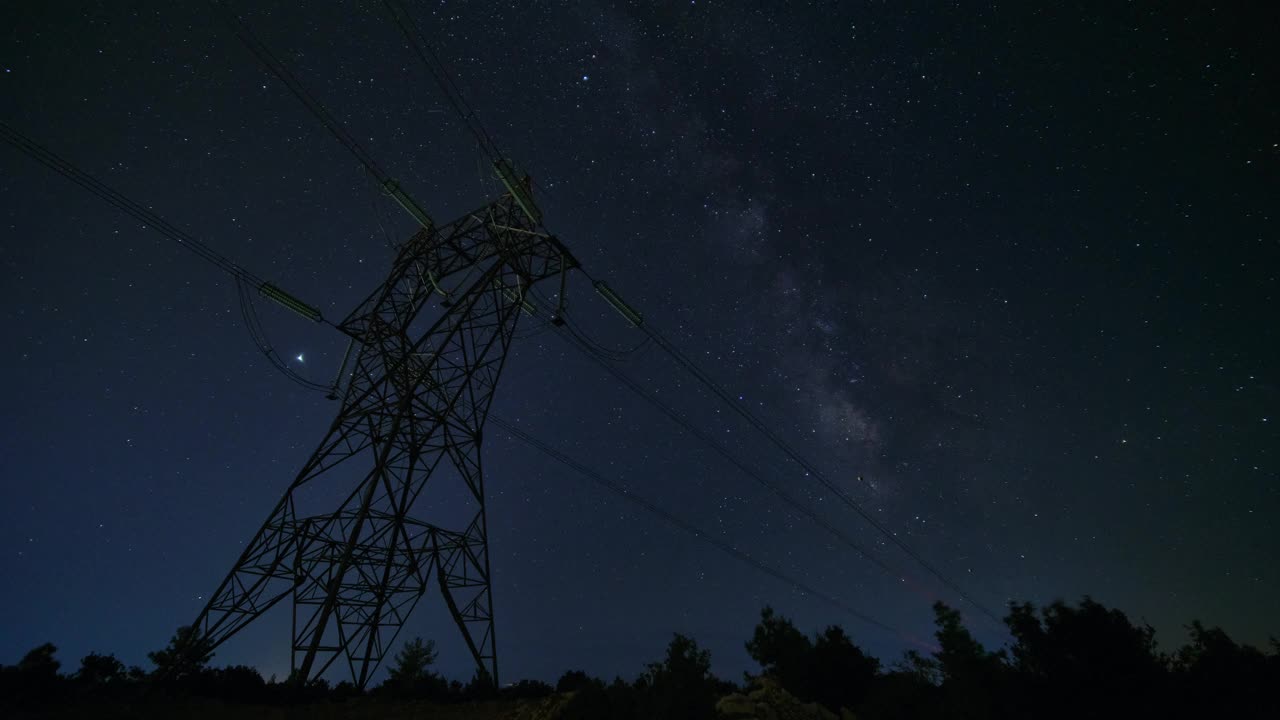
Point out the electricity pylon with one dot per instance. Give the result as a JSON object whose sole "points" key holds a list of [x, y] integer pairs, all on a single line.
{"points": [[402, 459]]}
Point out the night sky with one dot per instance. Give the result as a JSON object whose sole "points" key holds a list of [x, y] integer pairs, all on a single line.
{"points": [[1008, 276]]}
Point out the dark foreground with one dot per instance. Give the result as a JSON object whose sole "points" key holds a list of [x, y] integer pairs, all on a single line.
{"points": [[1063, 661]]}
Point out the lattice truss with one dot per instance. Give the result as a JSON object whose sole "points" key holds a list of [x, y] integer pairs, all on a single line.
{"points": [[402, 459]]}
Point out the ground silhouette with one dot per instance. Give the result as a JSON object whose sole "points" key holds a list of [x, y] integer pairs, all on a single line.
{"points": [[1064, 661]]}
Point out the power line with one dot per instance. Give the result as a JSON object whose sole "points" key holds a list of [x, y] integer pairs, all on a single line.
{"points": [[281, 71], [804, 463], [148, 218], [675, 416], [440, 73], [249, 314], [701, 435], [594, 346], [688, 527], [378, 213], [244, 278]]}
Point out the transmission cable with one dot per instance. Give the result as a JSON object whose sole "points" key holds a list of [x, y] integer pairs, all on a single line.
{"points": [[688, 527], [720, 449], [378, 213], [148, 218], [596, 348], [438, 72], [249, 314], [244, 278], [681, 359], [635, 387], [572, 327], [281, 71]]}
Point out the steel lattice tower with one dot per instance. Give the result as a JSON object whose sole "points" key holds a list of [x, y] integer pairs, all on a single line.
{"points": [[402, 459]]}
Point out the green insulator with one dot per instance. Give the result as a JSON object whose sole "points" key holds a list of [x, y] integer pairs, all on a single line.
{"points": [[280, 297], [618, 303], [392, 188], [519, 191]]}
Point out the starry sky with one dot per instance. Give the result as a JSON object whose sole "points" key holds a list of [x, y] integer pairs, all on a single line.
{"points": [[1006, 274]]}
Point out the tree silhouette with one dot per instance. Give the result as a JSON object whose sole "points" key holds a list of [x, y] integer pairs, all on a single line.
{"points": [[1076, 660], [574, 680], [960, 657], [39, 662], [681, 686], [973, 679], [911, 689], [840, 674], [617, 701], [782, 651], [410, 675], [829, 669], [1217, 676], [414, 661], [33, 678], [184, 657], [480, 686], [97, 670], [1063, 661], [923, 669]]}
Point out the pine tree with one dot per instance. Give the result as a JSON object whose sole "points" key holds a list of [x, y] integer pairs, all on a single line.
{"points": [[411, 674], [185, 656]]}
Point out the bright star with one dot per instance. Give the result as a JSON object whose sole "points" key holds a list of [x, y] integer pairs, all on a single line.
{"points": [[299, 357]]}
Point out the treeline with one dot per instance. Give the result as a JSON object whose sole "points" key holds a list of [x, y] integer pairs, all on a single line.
{"points": [[1063, 661]]}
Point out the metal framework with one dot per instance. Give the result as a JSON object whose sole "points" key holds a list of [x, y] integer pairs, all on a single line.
{"points": [[402, 459]]}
